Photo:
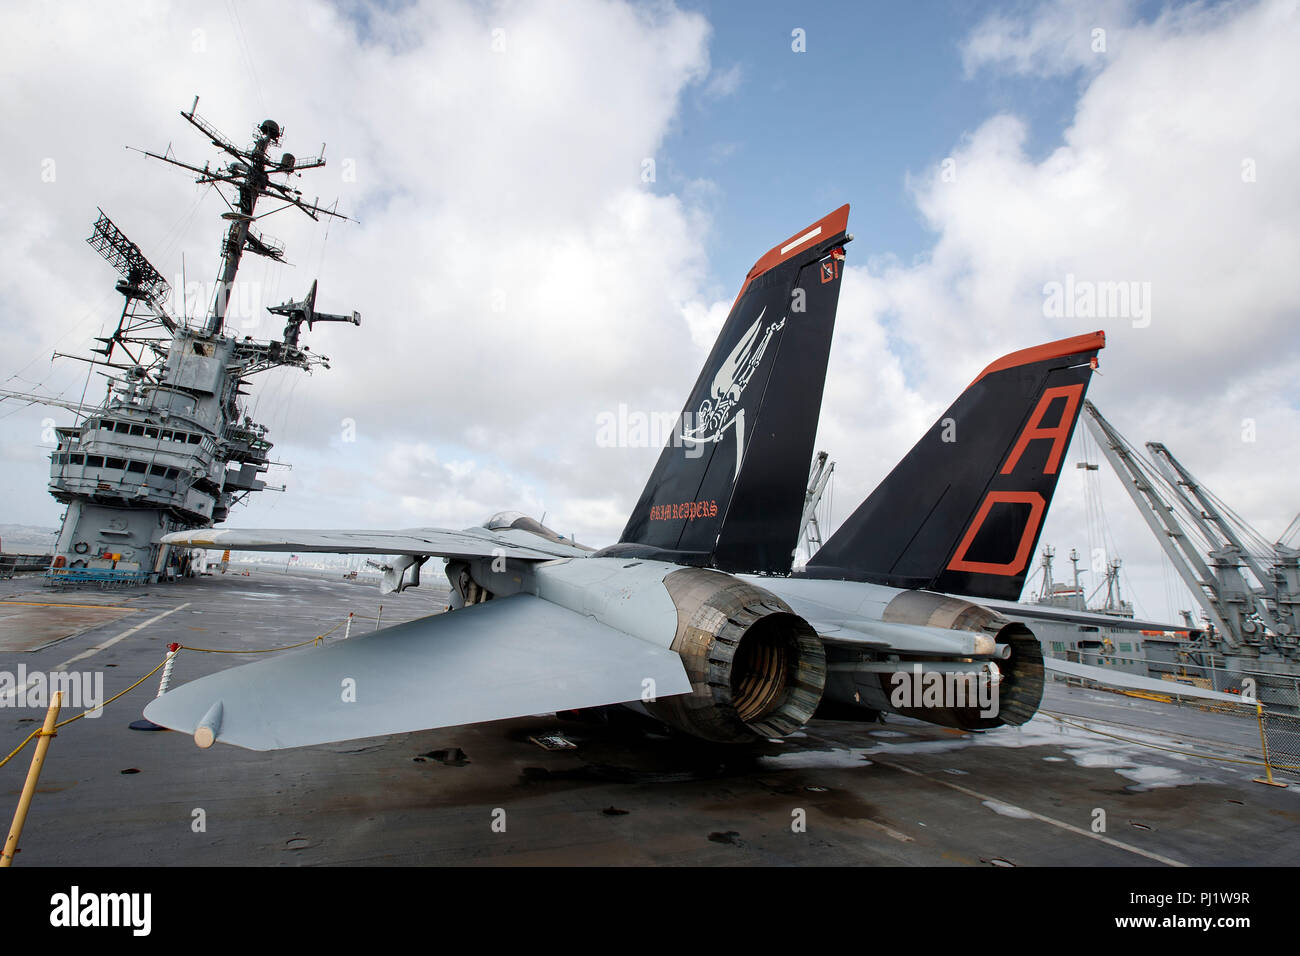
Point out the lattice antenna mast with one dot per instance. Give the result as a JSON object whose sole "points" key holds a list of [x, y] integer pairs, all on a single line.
{"points": [[250, 172], [140, 280], [144, 323]]}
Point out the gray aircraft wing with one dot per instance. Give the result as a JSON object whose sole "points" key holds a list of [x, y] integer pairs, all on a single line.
{"points": [[1118, 678], [471, 543], [508, 657], [1035, 612]]}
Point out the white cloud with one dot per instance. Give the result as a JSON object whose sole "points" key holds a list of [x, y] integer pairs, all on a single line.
{"points": [[705, 321], [1058, 37], [514, 274], [1146, 186], [724, 83]]}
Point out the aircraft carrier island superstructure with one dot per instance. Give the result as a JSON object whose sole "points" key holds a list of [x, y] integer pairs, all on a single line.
{"points": [[171, 447]]}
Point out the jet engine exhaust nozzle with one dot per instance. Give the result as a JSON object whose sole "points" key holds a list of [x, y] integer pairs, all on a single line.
{"points": [[757, 669], [1016, 649]]}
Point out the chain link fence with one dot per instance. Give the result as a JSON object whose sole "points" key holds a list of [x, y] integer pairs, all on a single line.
{"points": [[1278, 695]]}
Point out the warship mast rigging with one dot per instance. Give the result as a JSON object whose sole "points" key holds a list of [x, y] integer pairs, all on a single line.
{"points": [[170, 448]]}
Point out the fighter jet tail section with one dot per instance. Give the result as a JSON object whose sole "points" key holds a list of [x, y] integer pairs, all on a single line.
{"points": [[727, 491], [963, 511]]}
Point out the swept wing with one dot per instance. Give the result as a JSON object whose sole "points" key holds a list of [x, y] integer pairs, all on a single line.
{"points": [[441, 542], [506, 658]]}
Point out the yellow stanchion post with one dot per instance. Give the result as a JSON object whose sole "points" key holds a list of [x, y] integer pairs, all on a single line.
{"points": [[1263, 741], [33, 774]]}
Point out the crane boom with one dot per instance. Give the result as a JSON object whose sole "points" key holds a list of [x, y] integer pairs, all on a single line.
{"points": [[1159, 516]]}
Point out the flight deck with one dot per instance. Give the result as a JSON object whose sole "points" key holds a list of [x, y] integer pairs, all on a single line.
{"points": [[1096, 779]]}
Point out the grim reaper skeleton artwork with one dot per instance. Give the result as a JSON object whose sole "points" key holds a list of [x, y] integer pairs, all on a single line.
{"points": [[715, 416]]}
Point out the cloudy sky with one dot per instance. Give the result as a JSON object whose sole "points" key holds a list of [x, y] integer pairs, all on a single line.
{"points": [[556, 203]]}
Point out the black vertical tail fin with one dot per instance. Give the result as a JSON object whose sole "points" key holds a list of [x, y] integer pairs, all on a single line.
{"points": [[961, 513], [756, 405]]}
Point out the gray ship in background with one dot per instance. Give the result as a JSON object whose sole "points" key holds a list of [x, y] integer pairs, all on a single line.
{"points": [[171, 448], [1152, 650]]}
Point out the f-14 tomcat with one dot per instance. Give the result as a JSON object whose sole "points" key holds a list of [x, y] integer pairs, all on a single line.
{"points": [[693, 616]]}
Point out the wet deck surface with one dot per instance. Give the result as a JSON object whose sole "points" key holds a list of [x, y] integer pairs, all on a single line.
{"points": [[898, 793], [32, 625]]}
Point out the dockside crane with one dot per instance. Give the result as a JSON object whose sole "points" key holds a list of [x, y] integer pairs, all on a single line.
{"points": [[1248, 588], [810, 532]]}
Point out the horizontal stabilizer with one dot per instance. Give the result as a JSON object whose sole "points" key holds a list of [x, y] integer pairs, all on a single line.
{"points": [[508, 657], [1117, 678], [1037, 612]]}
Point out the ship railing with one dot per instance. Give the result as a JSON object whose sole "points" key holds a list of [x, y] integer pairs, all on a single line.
{"points": [[11, 564], [103, 578]]}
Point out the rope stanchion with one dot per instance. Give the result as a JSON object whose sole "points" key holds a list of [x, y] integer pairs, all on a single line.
{"points": [[144, 723], [166, 665], [48, 730], [63, 723]]}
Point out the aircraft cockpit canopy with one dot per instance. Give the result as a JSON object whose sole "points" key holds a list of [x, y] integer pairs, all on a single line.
{"points": [[505, 520]]}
